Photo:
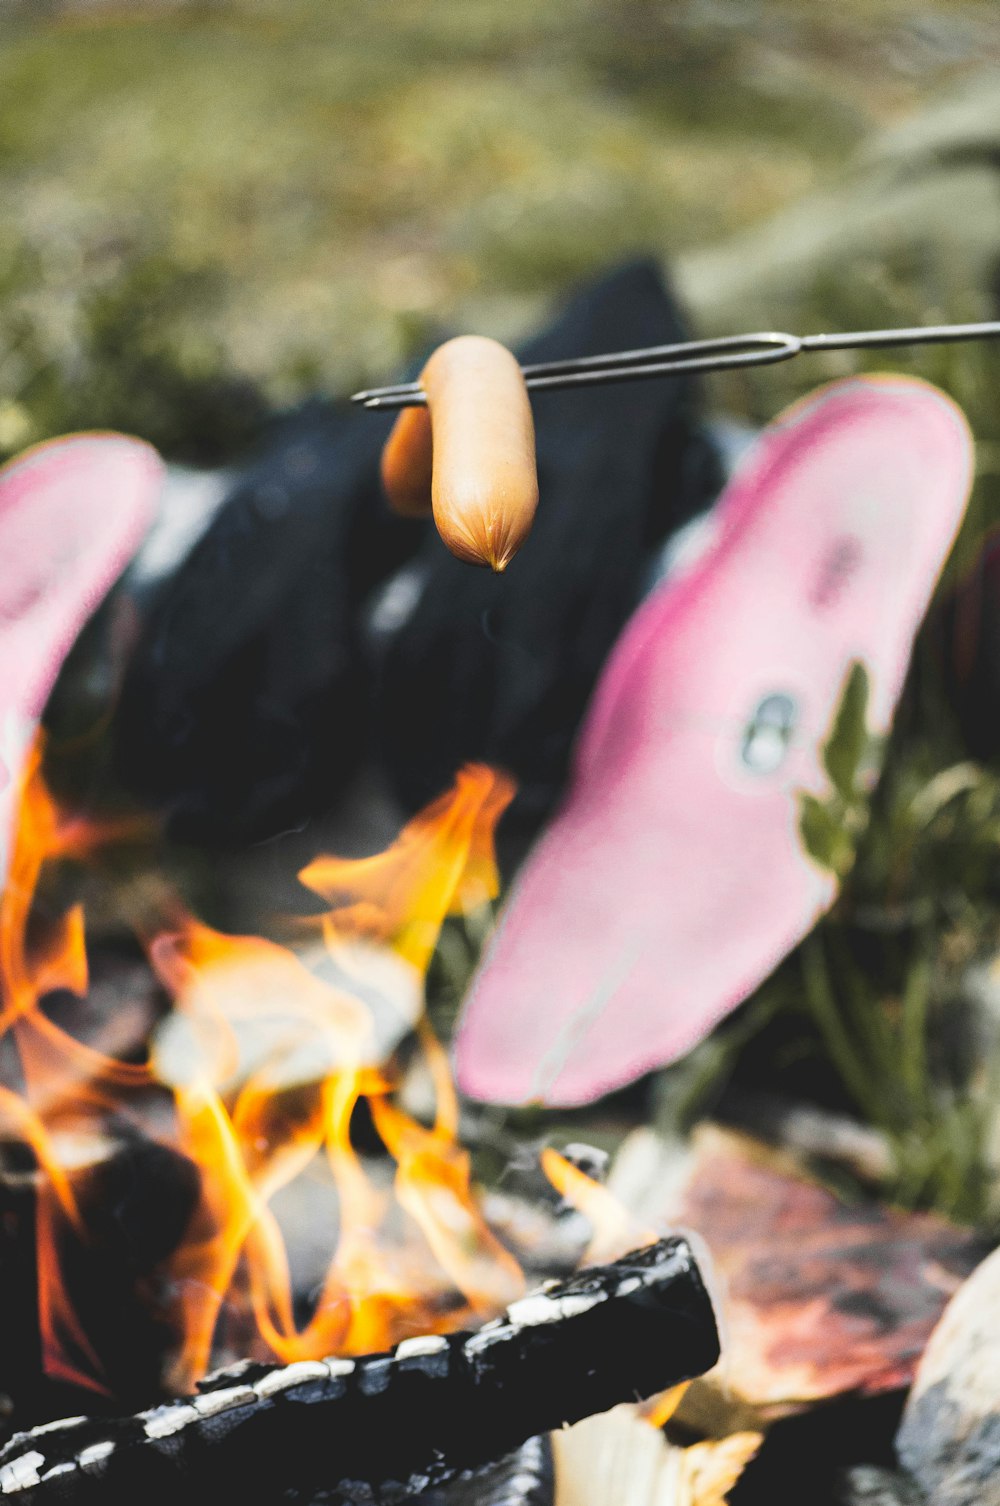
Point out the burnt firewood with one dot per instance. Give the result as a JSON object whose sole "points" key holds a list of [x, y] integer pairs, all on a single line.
{"points": [[385, 1426], [523, 1478], [137, 1197]]}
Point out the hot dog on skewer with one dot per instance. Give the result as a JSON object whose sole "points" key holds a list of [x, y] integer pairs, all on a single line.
{"points": [[470, 454]]}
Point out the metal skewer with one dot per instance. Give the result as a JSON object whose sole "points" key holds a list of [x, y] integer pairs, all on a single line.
{"points": [[733, 351]]}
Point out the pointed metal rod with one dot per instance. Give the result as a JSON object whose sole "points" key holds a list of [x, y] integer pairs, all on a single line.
{"points": [[730, 352]]}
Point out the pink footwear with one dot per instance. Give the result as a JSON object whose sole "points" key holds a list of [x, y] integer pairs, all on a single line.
{"points": [[72, 514], [674, 880]]}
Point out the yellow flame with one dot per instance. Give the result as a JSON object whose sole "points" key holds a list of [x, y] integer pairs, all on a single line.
{"points": [[615, 1231], [254, 1124]]}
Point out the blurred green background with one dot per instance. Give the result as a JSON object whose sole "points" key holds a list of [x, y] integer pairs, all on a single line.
{"points": [[214, 206]]}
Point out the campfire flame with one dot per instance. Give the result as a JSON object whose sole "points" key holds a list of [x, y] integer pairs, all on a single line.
{"points": [[255, 1118], [614, 1229]]}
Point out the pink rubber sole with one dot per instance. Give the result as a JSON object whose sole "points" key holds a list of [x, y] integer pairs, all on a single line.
{"points": [[72, 514], [674, 879]]}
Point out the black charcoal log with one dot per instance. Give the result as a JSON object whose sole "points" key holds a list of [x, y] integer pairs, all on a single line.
{"points": [[524, 1478], [386, 1426], [137, 1197]]}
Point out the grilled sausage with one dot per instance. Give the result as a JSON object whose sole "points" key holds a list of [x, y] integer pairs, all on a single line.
{"points": [[476, 442], [407, 461]]}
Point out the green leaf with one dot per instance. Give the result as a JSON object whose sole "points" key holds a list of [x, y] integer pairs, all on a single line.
{"points": [[844, 753], [824, 835]]}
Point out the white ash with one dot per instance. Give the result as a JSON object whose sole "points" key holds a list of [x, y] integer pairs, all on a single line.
{"points": [[211, 1403], [421, 1345], [21, 1473], [163, 1422], [95, 1453]]}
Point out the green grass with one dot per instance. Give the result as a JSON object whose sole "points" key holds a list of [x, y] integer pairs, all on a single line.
{"points": [[313, 184], [881, 980]]}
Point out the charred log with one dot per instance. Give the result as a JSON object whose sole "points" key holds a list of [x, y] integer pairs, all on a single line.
{"points": [[523, 1478], [138, 1196], [385, 1426]]}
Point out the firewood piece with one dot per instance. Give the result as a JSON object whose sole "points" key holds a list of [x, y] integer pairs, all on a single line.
{"points": [[137, 1197], [386, 1425], [949, 1438], [821, 1140], [821, 1298], [523, 1478], [621, 1457]]}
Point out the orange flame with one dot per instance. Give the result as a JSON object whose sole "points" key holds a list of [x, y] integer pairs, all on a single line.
{"points": [[614, 1231], [269, 1053], [65, 1082], [441, 864]]}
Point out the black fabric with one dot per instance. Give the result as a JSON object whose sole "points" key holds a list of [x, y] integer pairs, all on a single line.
{"points": [[251, 698], [246, 701], [500, 668]]}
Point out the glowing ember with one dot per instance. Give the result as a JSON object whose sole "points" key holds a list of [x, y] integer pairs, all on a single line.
{"points": [[267, 1053]]}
